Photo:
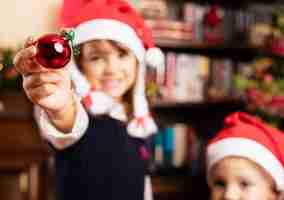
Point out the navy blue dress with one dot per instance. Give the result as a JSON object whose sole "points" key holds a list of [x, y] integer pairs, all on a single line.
{"points": [[105, 164]]}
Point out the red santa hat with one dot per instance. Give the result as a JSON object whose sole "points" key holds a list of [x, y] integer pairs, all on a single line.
{"points": [[248, 137], [114, 20]]}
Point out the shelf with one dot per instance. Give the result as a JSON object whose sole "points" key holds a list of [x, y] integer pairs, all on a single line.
{"points": [[182, 44], [233, 50], [198, 113], [198, 105], [230, 49]]}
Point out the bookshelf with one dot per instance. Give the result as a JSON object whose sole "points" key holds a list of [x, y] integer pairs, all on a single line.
{"points": [[204, 116]]}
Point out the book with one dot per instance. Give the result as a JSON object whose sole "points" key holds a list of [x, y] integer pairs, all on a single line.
{"points": [[170, 29], [180, 145], [170, 77], [153, 9], [168, 145], [158, 148], [190, 73], [221, 78]]}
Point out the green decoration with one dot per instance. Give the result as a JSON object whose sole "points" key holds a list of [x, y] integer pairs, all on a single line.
{"points": [[263, 89], [70, 35]]}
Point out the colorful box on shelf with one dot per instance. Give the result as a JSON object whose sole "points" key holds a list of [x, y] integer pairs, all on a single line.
{"points": [[154, 9], [171, 29]]}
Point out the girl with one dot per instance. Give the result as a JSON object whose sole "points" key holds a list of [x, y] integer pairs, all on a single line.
{"points": [[245, 160], [99, 153]]}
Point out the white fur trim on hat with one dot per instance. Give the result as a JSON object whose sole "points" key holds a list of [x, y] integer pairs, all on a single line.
{"points": [[249, 149], [155, 58], [108, 29]]}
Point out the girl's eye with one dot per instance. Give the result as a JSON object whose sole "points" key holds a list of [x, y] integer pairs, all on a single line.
{"points": [[219, 183], [123, 53], [244, 184], [95, 58]]}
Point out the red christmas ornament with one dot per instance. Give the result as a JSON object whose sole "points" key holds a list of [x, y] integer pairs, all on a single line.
{"points": [[213, 17], [53, 51]]}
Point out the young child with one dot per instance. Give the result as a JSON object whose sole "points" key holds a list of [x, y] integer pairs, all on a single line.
{"points": [[100, 153], [245, 160]]}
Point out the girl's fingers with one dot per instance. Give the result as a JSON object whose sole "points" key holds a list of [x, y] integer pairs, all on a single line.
{"points": [[43, 91], [25, 63], [37, 79], [23, 58], [30, 41], [26, 53]]}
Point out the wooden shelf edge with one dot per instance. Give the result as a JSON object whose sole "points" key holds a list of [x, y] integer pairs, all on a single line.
{"points": [[226, 47], [205, 103]]}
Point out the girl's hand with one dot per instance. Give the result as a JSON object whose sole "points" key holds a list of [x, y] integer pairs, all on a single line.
{"points": [[48, 88]]}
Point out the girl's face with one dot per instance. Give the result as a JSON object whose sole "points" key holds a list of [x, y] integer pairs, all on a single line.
{"points": [[109, 67], [236, 178]]}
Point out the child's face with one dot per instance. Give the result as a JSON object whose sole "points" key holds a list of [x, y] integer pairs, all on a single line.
{"points": [[109, 67], [236, 178]]}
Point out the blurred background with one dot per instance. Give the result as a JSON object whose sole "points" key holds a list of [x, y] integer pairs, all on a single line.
{"points": [[220, 57]]}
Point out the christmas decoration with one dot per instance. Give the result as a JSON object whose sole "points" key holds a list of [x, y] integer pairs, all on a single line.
{"points": [[213, 25], [9, 77], [53, 50], [262, 87], [213, 17], [277, 39]]}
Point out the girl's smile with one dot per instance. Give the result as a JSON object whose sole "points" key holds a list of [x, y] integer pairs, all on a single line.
{"points": [[110, 84]]}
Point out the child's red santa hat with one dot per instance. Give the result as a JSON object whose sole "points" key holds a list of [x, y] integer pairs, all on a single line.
{"points": [[114, 20], [248, 137]]}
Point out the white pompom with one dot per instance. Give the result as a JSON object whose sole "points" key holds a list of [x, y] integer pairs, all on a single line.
{"points": [[142, 130], [102, 103], [155, 58]]}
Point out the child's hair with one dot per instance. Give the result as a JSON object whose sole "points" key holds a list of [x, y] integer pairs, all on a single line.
{"points": [[248, 137]]}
